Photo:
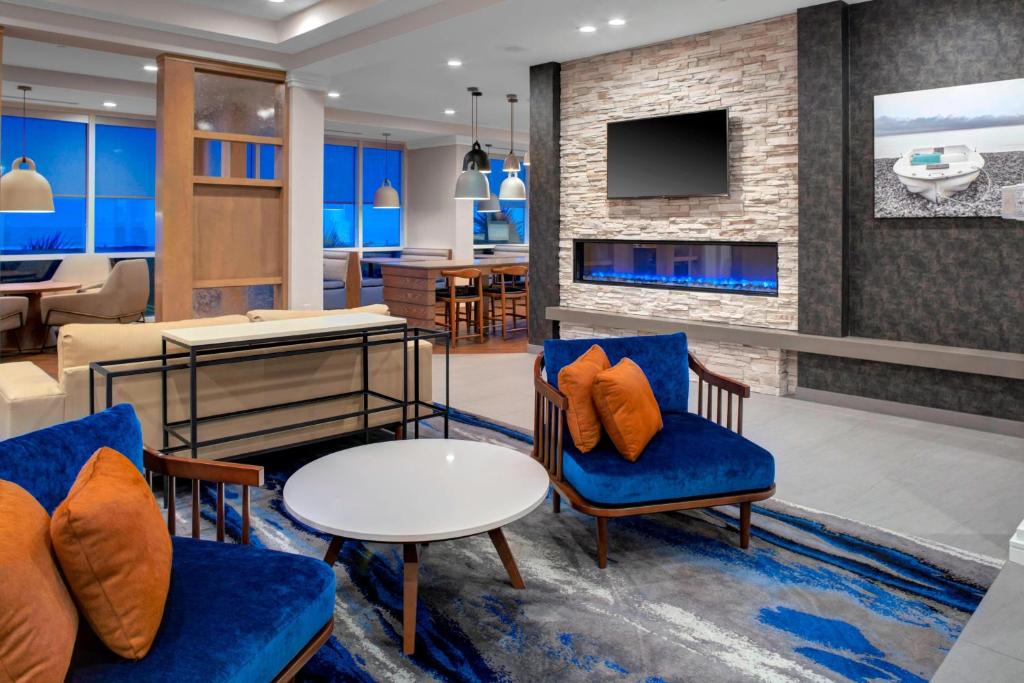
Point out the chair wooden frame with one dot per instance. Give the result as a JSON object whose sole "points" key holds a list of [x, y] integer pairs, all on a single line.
{"points": [[474, 304], [174, 468], [503, 297], [550, 406]]}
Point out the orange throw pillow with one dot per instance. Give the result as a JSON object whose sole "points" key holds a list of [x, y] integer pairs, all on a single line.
{"points": [[628, 409], [38, 620], [113, 546], [576, 381]]}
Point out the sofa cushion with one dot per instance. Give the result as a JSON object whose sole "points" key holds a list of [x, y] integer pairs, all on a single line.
{"points": [[689, 458], [46, 462], [663, 358], [629, 412], [115, 553], [81, 344], [263, 315], [577, 382], [38, 620], [246, 610]]}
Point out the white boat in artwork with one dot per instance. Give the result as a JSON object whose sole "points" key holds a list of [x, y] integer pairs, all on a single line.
{"points": [[937, 173]]}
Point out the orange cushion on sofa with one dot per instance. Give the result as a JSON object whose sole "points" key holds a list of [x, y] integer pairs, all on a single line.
{"points": [[113, 546], [38, 620], [628, 409], [576, 381]]}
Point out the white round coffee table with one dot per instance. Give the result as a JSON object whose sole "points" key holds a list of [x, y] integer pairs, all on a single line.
{"points": [[417, 491]]}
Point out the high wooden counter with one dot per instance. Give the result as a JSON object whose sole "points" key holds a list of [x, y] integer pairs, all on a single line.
{"points": [[409, 285]]}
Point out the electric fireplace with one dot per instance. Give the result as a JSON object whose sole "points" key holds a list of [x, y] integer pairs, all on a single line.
{"points": [[715, 266]]}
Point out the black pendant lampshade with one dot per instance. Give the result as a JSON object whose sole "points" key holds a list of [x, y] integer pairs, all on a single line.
{"points": [[476, 158]]}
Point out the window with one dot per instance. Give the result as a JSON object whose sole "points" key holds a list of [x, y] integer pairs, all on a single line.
{"points": [[381, 227], [59, 150], [125, 209], [510, 225], [339, 196]]}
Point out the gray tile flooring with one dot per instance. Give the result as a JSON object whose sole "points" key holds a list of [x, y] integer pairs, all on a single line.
{"points": [[945, 484]]}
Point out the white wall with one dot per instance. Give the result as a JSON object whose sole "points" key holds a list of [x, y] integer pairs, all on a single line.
{"points": [[433, 217], [306, 197]]}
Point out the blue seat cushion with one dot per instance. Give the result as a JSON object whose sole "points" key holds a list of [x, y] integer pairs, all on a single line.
{"points": [[46, 462], [662, 357], [234, 613], [689, 458]]}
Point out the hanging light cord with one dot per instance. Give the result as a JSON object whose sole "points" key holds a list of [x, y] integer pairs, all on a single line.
{"points": [[512, 125], [24, 96]]}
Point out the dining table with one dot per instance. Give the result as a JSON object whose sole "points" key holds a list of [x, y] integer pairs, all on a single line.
{"points": [[33, 331], [410, 285]]}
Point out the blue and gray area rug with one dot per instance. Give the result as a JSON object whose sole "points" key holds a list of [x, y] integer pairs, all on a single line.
{"points": [[816, 597]]}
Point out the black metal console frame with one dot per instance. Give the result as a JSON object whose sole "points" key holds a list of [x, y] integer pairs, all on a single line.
{"points": [[364, 339]]}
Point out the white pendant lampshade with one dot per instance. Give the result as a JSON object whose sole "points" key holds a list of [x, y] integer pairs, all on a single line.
{"points": [[386, 196], [472, 184], [511, 163], [22, 190], [513, 189], [489, 205]]}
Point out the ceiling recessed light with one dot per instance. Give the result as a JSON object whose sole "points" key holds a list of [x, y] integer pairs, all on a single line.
{"points": [[276, 2], [334, 94], [110, 105], [587, 28], [151, 67], [454, 63], [449, 112], [617, 21]]}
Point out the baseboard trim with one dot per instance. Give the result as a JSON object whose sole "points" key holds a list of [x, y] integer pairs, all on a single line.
{"points": [[982, 423], [534, 348]]}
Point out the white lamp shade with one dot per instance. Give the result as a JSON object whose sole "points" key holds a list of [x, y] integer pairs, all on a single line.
{"points": [[472, 184], [22, 190], [511, 163], [489, 205], [386, 197], [513, 189]]}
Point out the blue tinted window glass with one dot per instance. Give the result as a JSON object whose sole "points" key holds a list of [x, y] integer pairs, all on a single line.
{"points": [[381, 227], [57, 147], [250, 160], [125, 161], [125, 224], [511, 220], [339, 225], [268, 158], [62, 231], [340, 174], [211, 151]]}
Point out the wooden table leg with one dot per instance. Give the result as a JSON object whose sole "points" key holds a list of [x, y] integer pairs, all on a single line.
{"points": [[410, 584], [333, 550], [505, 553]]}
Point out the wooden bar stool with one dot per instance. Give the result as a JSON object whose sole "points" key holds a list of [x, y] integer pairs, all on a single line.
{"points": [[454, 297], [510, 285]]}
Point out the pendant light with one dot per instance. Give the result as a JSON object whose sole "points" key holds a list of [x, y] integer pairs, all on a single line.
{"points": [[23, 190], [475, 154], [386, 197], [472, 183], [489, 205], [512, 188]]}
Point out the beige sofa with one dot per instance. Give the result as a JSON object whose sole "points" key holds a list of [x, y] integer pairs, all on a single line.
{"points": [[30, 399]]}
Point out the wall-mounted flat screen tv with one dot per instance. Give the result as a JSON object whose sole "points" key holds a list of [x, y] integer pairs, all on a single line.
{"points": [[684, 155]]}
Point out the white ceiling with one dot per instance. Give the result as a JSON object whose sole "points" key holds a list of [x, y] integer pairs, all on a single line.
{"points": [[384, 56]]}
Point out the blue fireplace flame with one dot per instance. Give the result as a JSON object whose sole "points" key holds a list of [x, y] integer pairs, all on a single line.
{"points": [[684, 281]]}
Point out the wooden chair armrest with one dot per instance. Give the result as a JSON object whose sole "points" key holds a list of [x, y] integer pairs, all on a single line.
{"points": [[548, 422], [220, 473], [545, 389], [714, 379]]}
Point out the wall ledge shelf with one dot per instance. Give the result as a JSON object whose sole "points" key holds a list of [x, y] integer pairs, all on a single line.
{"points": [[951, 358], [237, 137], [235, 182]]}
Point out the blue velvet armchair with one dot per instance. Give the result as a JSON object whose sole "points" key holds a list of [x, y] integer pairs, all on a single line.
{"points": [[234, 612], [697, 460]]}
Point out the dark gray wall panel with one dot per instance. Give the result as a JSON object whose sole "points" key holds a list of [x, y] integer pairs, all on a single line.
{"points": [[545, 194], [822, 69]]}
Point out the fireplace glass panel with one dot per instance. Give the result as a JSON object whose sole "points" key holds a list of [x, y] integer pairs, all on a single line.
{"points": [[749, 268]]}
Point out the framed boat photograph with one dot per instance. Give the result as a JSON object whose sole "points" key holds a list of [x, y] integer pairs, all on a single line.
{"points": [[948, 151]]}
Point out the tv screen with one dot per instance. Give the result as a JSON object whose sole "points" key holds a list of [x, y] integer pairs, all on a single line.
{"points": [[685, 155]]}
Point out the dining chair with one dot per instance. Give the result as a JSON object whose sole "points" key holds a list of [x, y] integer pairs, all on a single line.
{"points": [[509, 286], [454, 296], [13, 314], [89, 270]]}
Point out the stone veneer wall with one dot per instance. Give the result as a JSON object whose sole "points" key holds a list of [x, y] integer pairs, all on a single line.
{"points": [[752, 69]]}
